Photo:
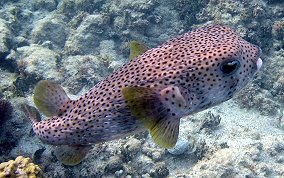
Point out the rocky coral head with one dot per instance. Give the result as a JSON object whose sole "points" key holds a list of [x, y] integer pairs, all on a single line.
{"points": [[6, 110]]}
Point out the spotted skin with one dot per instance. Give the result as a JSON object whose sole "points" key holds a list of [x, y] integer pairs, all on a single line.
{"points": [[194, 63]]}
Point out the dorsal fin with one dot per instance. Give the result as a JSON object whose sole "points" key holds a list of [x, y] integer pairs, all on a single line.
{"points": [[49, 98], [136, 49]]}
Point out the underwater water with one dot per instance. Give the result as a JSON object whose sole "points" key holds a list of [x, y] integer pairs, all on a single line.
{"points": [[78, 43]]}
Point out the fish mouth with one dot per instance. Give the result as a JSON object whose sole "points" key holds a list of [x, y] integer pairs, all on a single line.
{"points": [[259, 60]]}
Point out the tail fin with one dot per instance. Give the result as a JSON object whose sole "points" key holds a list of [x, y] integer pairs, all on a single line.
{"points": [[30, 112]]}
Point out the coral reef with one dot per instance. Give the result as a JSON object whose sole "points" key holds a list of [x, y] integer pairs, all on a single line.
{"points": [[79, 42], [20, 167]]}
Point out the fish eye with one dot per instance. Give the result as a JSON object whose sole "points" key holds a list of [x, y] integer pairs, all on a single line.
{"points": [[230, 67]]}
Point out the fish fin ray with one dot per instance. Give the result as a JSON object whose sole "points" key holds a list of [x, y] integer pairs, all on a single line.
{"points": [[71, 155], [148, 106], [30, 112], [49, 97], [165, 132]]}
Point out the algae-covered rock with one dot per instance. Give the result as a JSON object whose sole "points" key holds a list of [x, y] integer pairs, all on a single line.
{"points": [[20, 167], [5, 39], [51, 28], [159, 170], [73, 7], [49, 5], [82, 71], [107, 49], [114, 164], [87, 36], [6, 83], [260, 99], [38, 61], [131, 148]]}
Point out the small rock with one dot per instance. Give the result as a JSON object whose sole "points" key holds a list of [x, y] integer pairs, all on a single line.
{"points": [[144, 163], [118, 173], [147, 175], [131, 148], [114, 164], [210, 121], [156, 155], [180, 148], [159, 170], [133, 145]]}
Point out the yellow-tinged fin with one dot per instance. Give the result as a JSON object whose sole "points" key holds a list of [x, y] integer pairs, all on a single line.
{"points": [[71, 155], [49, 97], [136, 49], [30, 112], [165, 132], [147, 105]]}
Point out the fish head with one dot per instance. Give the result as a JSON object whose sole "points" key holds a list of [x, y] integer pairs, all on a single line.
{"points": [[226, 65]]}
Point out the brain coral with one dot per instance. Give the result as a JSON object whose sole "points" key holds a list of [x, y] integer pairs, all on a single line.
{"points": [[20, 167]]}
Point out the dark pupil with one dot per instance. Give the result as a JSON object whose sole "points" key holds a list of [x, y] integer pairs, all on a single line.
{"points": [[229, 67]]}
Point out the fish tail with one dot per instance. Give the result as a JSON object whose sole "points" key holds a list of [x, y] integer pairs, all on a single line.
{"points": [[30, 112]]}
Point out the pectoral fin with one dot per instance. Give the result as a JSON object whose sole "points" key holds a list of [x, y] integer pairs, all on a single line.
{"points": [[156, 113]]}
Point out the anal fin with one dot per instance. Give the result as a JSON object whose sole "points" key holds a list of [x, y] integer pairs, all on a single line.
{"points": [[71, 155]]}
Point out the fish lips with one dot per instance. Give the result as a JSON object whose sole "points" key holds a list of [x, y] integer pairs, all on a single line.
{"points": [[259, 60]]}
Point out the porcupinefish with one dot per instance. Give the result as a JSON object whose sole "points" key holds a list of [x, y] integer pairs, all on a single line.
{"points": [[185, 75]]}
